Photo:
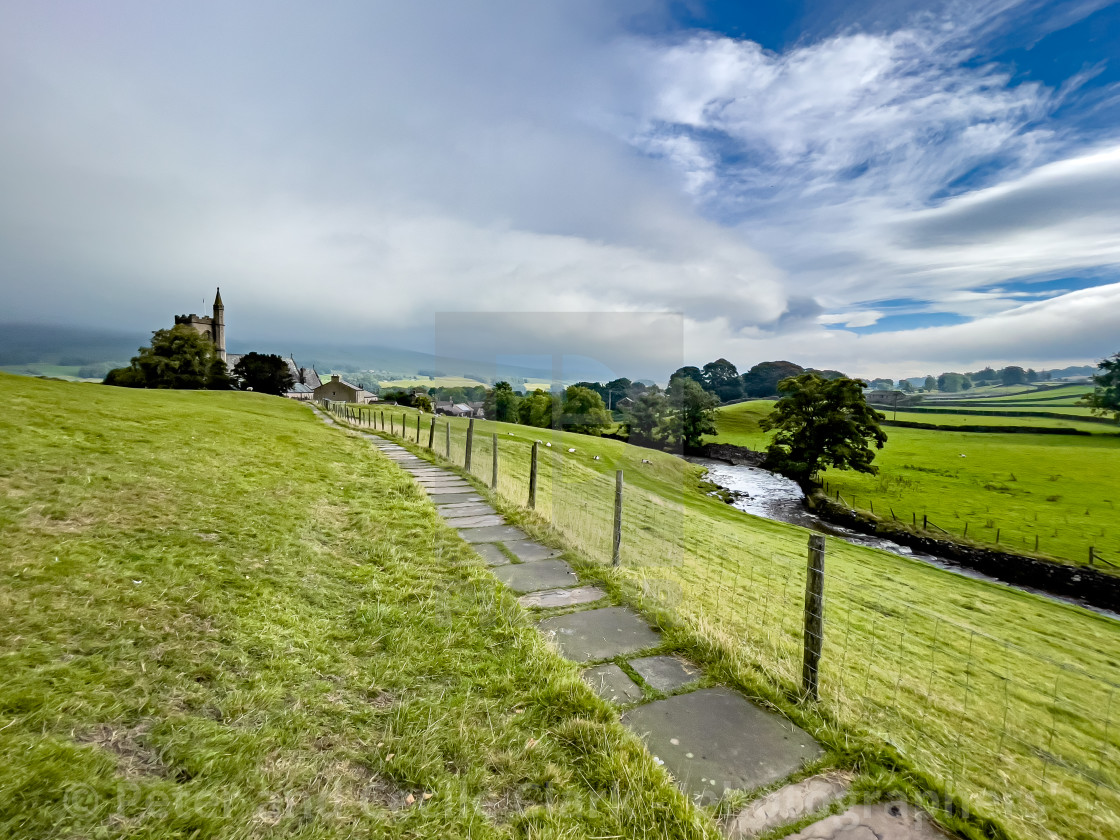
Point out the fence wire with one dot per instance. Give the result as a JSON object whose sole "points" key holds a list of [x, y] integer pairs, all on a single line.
{"points": [[1014, 717]]}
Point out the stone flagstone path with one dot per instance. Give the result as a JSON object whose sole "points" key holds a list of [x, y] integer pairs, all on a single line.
{"points": [[711, 739]]}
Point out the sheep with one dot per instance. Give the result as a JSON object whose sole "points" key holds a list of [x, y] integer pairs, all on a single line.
{"points": [[646, 461], [595, 458], [571, 450]]}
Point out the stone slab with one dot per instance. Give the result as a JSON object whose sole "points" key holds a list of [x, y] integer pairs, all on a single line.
{"points": [[432, 481], [533, 577], [491, 554], [445, 486], [440, 499], [612, 684], [884, 821], [466, 509], [494, 533], [599, 634], [786, 805], [666, 673], [528, 551], [714, 740], [552, 598], [479, 521]]}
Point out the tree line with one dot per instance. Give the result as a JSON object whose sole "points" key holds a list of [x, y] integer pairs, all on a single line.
{"points": [[184, 359]]}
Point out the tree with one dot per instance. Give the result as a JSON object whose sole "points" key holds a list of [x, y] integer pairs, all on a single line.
{"points": [[762, 379], [930, 384], [501, 403], [615, 390], [584, 412], [953, 382], [689, 372], [880, 384], [647, 422], [722, 379], [1013, 375], [1105, 398], [263, 373], [179, 357], [821, 423], [694, 412], [537, 409], [905, 386], [218, 378]]}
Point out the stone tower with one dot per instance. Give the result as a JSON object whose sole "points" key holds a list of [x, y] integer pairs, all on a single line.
{"points": [[219, 326]]}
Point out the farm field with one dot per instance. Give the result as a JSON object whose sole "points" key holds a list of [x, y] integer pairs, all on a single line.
{"points": [[901, 637], [221, 618], [1072, 393], [1072, 410], [964, 418], [44, 369], [437, 382], [1059, 489]]}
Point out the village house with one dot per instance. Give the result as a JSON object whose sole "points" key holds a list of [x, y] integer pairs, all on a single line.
{"points": [[337, 389]]}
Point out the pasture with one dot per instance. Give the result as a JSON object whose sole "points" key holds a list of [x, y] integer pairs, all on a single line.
{"points": [[1059, 489], [221, 618], [993, 694]]}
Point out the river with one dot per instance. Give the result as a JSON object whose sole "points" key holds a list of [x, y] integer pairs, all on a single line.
{"points": [[766, 494]]}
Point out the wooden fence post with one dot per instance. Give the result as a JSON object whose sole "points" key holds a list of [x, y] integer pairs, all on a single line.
{"points": [[1092, 556], [494, 472], [533, 478], [417, 429], [382, 419], [432, 434], [447, 429], [470, 445], [616, 554], [925, 522], [392, 425], [814, 618]]}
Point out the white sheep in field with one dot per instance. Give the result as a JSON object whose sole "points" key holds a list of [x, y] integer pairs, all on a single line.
{"points": [[595, 458], [645, 460], [549, 445], [571, 450]]}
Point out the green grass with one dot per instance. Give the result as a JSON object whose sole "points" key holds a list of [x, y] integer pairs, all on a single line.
{"points": [[221, 618], [1006, 699], [1073, 392], [1072, 410], [964, 418], [437, 382], [1060, 489]]}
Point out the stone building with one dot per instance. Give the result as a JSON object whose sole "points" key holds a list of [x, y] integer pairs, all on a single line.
{"points": [[338, 389], [213, 327]]}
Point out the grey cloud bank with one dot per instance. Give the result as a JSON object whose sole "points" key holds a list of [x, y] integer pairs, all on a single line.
{"points": [[346, 172]]}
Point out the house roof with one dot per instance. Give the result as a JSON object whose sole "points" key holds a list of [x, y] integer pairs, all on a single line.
{"points": [[300, 388]]}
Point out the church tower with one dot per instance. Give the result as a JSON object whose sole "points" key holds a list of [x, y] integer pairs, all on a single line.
{"points": [[219, 334]]}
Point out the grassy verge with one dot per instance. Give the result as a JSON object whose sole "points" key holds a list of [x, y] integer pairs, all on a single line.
{"points": [[1014, 487], [1004, 698], [219, 618]]}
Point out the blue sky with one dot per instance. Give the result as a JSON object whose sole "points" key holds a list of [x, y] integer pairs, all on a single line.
{"points": [[881, 187]]}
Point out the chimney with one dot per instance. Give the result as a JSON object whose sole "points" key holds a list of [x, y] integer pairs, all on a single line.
{"points": [[334, 377]]}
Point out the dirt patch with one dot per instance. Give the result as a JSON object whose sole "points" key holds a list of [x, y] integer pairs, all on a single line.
{"points": [[134, 757]]}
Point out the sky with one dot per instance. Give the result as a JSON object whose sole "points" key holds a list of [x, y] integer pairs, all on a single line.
{"points": [[884, 188]]}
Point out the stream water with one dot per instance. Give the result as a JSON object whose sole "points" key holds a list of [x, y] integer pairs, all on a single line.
{"points": [[763, 493]]}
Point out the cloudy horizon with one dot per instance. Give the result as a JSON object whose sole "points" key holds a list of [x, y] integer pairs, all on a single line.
{"points": [[886, 189]]}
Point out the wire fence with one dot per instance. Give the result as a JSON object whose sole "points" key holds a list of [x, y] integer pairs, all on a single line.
{"points": [[1010, 702]]}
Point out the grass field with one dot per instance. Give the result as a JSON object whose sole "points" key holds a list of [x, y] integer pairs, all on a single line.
{"points": [[220, 618], [965, 418], [1060, 489], [437, 382], [1005, 698], [1064, 392]]}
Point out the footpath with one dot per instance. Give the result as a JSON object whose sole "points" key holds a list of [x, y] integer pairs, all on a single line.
{"points": [[711, 739]]}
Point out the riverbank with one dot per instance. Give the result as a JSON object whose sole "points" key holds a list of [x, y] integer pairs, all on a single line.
{"points": [[1088, 586]]}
